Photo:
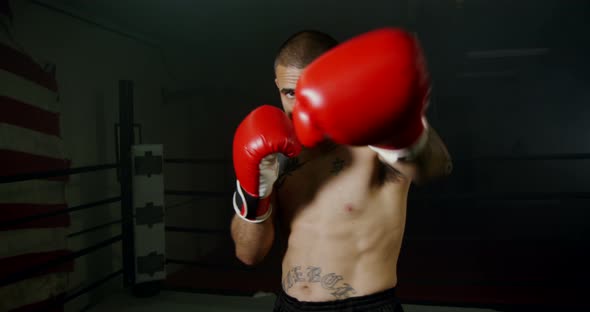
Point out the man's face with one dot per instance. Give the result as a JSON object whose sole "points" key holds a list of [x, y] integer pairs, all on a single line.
{"points": [[286, 80]]}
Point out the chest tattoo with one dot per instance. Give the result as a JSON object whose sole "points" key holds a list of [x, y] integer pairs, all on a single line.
{"points": [[291, 165], [295, 163]]}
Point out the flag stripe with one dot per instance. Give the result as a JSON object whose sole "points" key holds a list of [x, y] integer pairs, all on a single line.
{"points": [[19, 263], [14, 138], [21, 90], [13, 163], [16, 211], [27, 116], [33, 192], [21, 64], [31, 240], [30, 142], [32, 291]]}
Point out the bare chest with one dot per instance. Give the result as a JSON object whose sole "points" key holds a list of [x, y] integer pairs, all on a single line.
{"points": [[332, 185]]}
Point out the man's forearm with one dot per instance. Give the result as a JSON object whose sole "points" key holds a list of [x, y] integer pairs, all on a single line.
{"points": [[429, 160], [253, 240], [434, 160]]}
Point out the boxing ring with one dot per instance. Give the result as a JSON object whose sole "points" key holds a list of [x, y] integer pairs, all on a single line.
{"points": [[470, 273], [20, 271]]}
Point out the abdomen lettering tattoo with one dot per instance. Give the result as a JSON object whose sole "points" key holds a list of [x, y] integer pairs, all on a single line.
{"points": [[331, 282]]}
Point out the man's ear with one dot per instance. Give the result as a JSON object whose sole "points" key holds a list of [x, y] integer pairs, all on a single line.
{"points": [[277, 83]]}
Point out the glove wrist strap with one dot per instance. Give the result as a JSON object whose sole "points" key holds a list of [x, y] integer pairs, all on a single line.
{"points": [[410, 153], [251, 208]]}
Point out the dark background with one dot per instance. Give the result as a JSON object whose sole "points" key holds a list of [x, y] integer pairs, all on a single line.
{"points": [[509, 226]]}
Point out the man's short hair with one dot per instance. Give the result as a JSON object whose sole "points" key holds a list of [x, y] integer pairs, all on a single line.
{"points": [[303, 47]]}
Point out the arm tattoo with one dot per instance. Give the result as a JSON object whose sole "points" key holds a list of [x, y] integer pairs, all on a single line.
{"points": [[329, 281]]}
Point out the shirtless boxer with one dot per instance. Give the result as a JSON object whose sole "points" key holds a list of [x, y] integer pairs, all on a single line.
{"points": [[340, 199]]}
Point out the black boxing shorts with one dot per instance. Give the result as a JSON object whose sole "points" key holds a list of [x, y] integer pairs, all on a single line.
{"points": [[384, 301]]}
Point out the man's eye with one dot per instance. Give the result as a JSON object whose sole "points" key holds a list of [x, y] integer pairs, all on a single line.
{"points": [[290, 94]]}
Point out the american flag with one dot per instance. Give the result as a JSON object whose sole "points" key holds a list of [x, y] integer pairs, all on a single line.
{"points": [[30, 141]]}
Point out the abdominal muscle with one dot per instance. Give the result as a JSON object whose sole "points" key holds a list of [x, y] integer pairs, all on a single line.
{"points": [[345, 241]]}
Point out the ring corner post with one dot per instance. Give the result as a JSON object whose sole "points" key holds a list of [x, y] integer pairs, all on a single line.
{"points": [[125, 144]]}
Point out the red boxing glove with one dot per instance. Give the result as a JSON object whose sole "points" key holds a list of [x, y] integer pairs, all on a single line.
{"points": [[370, 90], [265, 132]]}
